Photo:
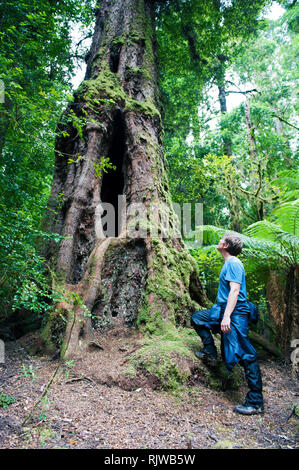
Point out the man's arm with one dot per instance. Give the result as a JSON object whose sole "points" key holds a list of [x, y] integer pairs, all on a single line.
{"points": [[231, 303]]}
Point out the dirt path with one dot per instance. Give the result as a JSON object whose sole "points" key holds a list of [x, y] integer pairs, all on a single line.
{"points": [[85, 409]]}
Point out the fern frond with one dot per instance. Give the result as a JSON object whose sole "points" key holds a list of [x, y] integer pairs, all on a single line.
{"points": [[287, 179], [270, 248], [264, 230], [291, 195], [287, 215]]}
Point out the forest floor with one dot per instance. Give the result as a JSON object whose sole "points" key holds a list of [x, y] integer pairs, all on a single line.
{"points": [[87, 408]]}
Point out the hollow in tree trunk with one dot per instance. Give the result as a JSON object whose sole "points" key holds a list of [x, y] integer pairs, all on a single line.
{"points": [[134, 275]]}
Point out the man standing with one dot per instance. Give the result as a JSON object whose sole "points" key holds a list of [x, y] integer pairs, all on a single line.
{"points": [[232, 322]]}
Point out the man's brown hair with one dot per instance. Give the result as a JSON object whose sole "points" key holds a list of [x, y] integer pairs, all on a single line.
{"points": [[234, 243]]}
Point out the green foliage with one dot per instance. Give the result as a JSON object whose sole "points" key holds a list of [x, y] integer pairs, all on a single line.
{"points": [[227, 46], [102, 167], [68, 365], [201, 36], [281, 236], [209, 263], [24, 282], [43, 413], [28, 371], [286, 185], [36, 65], [287, 216], [55, 319], [267, 245], [6, 400]]}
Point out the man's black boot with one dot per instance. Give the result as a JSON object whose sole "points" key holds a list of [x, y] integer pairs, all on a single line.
{"points": [[210, 359], [247, 409], [209, 352], [227, 382], [254, 403]]}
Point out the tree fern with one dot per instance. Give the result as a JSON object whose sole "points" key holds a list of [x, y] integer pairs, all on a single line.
{"points": [[267, 245], [287, 184], [283, 234], [287, 216]]}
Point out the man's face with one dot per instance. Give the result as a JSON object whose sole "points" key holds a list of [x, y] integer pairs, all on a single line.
{"points": [[222, 245]]}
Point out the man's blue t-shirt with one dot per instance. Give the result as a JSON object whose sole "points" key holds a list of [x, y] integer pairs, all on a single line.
{"points": [[232, 271]]}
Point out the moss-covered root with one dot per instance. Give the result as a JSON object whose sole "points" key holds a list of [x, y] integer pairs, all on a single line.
{"points": [[168, 356]]}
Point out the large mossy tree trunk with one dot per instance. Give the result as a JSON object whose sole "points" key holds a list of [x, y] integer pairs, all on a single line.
{"points": [[125, 279]]}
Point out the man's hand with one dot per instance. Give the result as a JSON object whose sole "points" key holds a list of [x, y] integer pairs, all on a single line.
{"points": [[225, 324]]}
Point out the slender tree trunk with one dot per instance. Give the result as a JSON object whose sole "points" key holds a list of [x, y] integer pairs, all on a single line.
{"points": [[279, 127], [254, 158], [231, 190], [5, 121], [129, 277], [250, 132], [227, 143]]}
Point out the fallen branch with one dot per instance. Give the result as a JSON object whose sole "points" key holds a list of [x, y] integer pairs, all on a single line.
{"points": [[78, 379], [42, 395], [264, 343], [95, 344]]}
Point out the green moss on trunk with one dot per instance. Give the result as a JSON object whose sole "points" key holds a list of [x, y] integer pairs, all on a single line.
{"points": [[54, 331]]}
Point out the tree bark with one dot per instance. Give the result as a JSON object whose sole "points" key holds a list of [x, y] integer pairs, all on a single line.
{"points": [[283, 298], [129, 277], [291, 320]]}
